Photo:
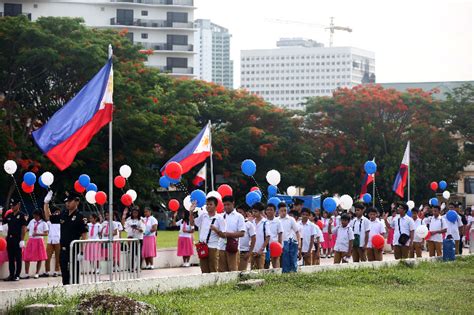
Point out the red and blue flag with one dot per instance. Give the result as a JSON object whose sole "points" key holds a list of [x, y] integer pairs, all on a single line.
{"points": [[402, 176]]}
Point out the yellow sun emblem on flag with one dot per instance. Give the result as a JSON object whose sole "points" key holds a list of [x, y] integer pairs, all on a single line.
{"points": [[205, 141]]}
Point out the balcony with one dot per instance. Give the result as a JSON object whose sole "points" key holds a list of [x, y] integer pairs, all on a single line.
{"points": [[167, 47], [151, 23], [159, 2], [176, 71]]}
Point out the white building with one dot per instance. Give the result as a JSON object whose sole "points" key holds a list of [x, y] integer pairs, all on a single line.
{"points": [[286, 76], [212, 44], [165, 26]]}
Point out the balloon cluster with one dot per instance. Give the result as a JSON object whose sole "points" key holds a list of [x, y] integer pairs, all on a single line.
{"points": [[29, 178], [172, 174], [129, 197], [442, 185]]}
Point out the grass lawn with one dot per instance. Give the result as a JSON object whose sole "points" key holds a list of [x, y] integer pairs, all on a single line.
{"points": [[164, 239], [426, 288]]}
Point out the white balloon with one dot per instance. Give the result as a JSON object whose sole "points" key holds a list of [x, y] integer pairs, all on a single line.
{"points": [[291, 191], [47, 178], [410, 204], [421, 231], [187, 203], [346, 202], [10, 167], [125, 171], [273, 177], [338, 201], [132, 193], [446, 194], [90, 196], [214, 194]]}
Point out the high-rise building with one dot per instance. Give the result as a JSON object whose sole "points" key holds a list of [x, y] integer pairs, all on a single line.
{"points": [[164, 26], [212, 44], [297, 69]]}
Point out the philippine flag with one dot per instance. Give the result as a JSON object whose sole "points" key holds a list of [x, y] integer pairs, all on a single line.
{"points": [[402, 176], [195, 152], [70, 129], [200, 176], [365, 183]]}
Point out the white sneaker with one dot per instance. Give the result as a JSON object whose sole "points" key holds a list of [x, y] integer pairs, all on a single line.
{"points": [[151, 267], [36, 276], [187, 264]]}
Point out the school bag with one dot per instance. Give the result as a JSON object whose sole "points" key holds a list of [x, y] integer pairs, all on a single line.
{"points": [[201, 247]]}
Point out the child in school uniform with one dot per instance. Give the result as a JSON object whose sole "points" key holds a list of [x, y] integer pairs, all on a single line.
{"points": [[35, 250], [308, 235], [185, 239], [417, 246], [376, 227], [345, 236], [275, 230], [92, 252], [117, 227], [149, 238], [53, 245], [391, 231], [336, 221], [3, 253], [326, 245], [262, 237]]}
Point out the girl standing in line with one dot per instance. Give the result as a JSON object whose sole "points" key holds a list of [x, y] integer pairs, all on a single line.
{"points": [[92, 250], [35, 249], [327, 238], [185, 239], [149, 238]]}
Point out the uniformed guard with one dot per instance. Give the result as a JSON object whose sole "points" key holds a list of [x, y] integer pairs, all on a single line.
{"points": [[16, 233], [73, 227]]}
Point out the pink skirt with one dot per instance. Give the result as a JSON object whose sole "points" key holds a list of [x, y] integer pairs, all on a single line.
{"points": [[185, 246], [116, 252], [92, 252], [333, 240], [3, 257], [149, 246], [390, 236], [327, 241], [35, 250]]}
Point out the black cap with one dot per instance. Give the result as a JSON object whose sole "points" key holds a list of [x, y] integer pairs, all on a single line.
{"points": [[14, 200], [72, 195]]}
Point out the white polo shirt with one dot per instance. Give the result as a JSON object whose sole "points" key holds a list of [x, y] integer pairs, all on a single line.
{"points": [[203, 222], [149, 222], [344, 235], [375, 227], [437, 224], [234, 222], [94, 231], [40, 226], [360, 226], [259, 234], [325, 224], [406, 226], [290, 227], [453, 228], [418, 222], [307, 229], [54, 234], [273, 229], [244, 241]]}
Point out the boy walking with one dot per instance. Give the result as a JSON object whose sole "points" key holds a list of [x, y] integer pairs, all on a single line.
{"points": [[308, 234], [375, 228], [344, 239], [246, 242], [275, 230], [262, 238], [291, 239], [361, 227]]}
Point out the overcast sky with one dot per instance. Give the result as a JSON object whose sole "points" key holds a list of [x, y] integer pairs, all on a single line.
{"points": [[413, 40]]}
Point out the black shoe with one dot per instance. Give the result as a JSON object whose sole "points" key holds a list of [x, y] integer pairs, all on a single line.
{"points": [[44, 275], [9, 279]]}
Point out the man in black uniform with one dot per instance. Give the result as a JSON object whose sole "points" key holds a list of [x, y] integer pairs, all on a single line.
{"points": [[73, 227], [16, 234]]}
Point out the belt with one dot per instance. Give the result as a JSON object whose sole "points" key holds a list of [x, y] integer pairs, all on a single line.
{"points": [[244, 252]]}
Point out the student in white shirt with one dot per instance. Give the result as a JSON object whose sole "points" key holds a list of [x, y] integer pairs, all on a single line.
{"points": [[455, 229], [246, 242], [92, 251], [318, 239], [437, 226], [308, 236], [53, 246], [211, 226], [149, 238], [229, 239], [361, 227], [403, 227], [344, 239], [291, 240], [185, 238], [262, 237], [117, 227], [417, 245], [275, 230], [35, 250], [134, 227], [376, 227]]}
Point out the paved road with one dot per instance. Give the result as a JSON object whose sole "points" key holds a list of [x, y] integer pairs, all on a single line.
{"points": [[157, 273]]}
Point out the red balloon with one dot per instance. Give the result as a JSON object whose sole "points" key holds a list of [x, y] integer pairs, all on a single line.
{"points": [[3, 244], [8, 212], [320, 224], [101, 197], [254, 188], [275, 249], [125, 199], [173, 204], [378, 241], [224, 190], [428, 236], [78, 187], [119, 182], [220, 206], [173, 170], [26, 188], [434, 186]]}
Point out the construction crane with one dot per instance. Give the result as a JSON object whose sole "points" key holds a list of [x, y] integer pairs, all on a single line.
{"points": [[331, 27]]}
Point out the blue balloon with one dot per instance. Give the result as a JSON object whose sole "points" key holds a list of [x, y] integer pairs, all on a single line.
{"points": [[84, 180], [452, 216], [442, 185], [259, 193], [40, 182], [164, 182], [173, 181], [367, 198], [29, 178], [92, 187], [252, 198], [249, 167], [370, 167], [199, 196], [272, 190], [434, 201], [329, 204], [274, 201], [409, 213]]}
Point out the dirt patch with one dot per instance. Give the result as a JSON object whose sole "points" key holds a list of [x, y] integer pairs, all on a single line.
{"points": [[113, 304]]}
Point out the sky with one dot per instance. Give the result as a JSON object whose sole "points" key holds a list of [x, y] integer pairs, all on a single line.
{"points": [[413, 40]]}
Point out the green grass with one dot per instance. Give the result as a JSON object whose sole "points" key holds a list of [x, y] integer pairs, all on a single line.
{"points": [[164, 239], [426, 288]]}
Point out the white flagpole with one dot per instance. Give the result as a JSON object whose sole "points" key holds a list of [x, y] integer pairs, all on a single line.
{"points": [[408, 170], [205, 179], [212, 164], [373, 193], [111, 192]]}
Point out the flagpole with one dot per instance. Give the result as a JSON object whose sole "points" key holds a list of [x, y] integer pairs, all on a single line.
{"points": [[205, 179], [212, 164], [409, 170], [373, 193], [111, 192]]}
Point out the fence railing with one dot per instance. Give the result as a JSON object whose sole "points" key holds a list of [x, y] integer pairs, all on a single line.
{"points": [[104, 260]]}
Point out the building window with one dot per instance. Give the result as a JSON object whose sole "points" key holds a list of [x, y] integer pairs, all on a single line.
{"points": [[180, 17], [124, 17], [172, 62], [144, 13], [12, 9], [469, 185], [144, 35]]}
